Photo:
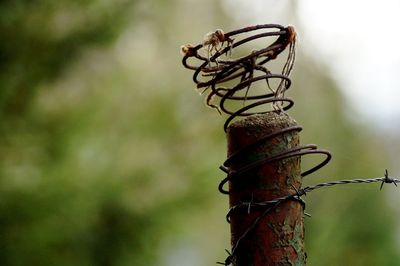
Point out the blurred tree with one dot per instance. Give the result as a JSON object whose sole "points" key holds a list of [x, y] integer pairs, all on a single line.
{"points": [[41, 37], [109, 158], [87, 178]]}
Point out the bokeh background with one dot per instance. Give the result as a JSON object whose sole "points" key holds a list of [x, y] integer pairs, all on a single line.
{"points": [[109, 157]]}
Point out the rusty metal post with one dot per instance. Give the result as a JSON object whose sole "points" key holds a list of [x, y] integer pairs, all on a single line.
{"points": [[278, 237]]}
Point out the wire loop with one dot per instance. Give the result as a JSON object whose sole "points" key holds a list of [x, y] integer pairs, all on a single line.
{"points": [[229, 80]]}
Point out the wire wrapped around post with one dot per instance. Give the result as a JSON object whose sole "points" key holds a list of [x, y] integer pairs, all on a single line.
{"points": [[263, 148]]}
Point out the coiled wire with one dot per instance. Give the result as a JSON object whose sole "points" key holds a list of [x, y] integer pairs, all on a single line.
{"points": [[227, 79], [231, 79], [212, 71]]}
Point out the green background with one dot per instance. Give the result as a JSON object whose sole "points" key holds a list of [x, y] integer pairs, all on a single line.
{"points": [[109, 157]]}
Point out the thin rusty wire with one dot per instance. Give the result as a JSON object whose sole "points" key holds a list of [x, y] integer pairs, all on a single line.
{"points": [[219, 73], [224, 78], [271, 204]]}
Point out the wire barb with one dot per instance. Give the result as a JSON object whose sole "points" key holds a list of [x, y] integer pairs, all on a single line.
{"points": [[271, 204], [228, 260], [228, 79], [387, 180]]}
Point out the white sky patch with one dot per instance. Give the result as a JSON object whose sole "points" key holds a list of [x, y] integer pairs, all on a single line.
{"points": [[357, 40]]}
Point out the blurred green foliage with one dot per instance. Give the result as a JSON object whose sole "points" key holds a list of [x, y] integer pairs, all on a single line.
{"points": [[108, 157]]}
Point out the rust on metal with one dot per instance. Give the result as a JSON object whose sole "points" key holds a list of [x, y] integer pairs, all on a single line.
{"points": [[278, 238], [263, 165]]}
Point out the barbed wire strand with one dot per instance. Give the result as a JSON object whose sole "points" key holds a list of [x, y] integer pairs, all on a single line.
{"points": [[225, 78], [271, 204]]}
